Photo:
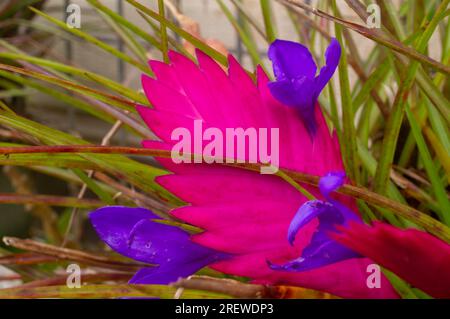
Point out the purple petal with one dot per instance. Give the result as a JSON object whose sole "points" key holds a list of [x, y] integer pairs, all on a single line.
{"points": [[322, 250], [133, 233], [170, 272], [291, 60], [298, 93], [331, 182], [116, 225], [332, 58], [329, 252], [307, 212], [296, 83]]}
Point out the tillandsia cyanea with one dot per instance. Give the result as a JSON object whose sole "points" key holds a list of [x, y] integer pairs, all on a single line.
{"points": [[245, 216]]}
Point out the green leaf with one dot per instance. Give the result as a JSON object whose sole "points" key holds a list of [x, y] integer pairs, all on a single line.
{"points": [[375, 36], [432, 172], [163, 32], [216, 55], [268, 21], [246, 38], [348, 117], [89, 38], [126, 23], [138, 174], [92, 185], [396, 116]]}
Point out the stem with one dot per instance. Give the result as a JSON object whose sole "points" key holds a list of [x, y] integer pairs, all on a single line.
{"points": [[397, 114]]}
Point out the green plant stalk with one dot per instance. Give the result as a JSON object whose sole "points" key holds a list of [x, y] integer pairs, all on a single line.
{"points": [[374, 80], [138, 174], [92, 185], [55, 165], [296, 185], [89, 38], [391, 133], [433, 115], [56, 67], [397, 113], [348, 116], [5, 108], [433, 93], [216, 55], [369, 33], [123, 34], [121, 20], [446, 52], [173, 42], [268, 23], [59, 95], [10, 93], [104, 97], [423, 80], [252, 21], [164, 41], [438, 125], [363, 129], [409, 145], [334, 111], [245, 37], [442, 156], [400, 285], [438, 187], [369, 163]]}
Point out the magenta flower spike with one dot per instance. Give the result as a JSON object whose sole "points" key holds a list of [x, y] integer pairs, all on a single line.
{"points": [[246, 214]]}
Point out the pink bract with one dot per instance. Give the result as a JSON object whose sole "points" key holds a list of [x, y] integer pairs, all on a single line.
{"points": [[245, 213]]}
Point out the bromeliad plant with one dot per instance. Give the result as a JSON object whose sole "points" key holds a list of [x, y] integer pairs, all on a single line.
{"points": [[291, 229]]}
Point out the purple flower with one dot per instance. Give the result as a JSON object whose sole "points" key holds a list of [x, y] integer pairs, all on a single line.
{"points": [[296, 82], [322, 250], [134, 233]]}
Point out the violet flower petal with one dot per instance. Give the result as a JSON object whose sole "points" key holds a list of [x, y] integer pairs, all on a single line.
{"points": [[322, 250], [303, 216], [291, 60], [330, 183], [291, 92], [296, 83], [332, 58], [133, 233], [172, 271], [327, 253]]}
